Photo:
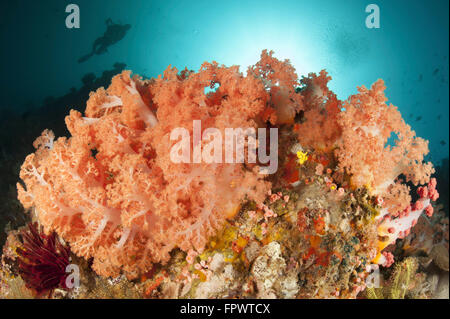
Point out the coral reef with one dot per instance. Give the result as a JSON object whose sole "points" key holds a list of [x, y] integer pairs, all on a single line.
{"points": [[341, 205]]}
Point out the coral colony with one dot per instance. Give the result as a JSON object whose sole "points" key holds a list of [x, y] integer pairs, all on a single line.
{"points": [[167, 190], [42, 260]]}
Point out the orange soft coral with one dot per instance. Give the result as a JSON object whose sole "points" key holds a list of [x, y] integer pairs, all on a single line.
{"points": [[360, 130], [281, 81], [364, 152], [319, 128], [112, 191]]}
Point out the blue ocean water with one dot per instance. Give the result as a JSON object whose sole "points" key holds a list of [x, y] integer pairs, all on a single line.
{"points": [[410, 50]]}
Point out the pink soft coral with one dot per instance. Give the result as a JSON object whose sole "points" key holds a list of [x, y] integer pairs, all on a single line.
{"points": [[399, 226], [112, 191]]}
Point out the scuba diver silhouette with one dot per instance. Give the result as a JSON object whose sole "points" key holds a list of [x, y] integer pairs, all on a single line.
{"points": [[114, 33]]}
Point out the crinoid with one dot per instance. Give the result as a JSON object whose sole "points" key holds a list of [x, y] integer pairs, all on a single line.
{"points": [[42, 259]]}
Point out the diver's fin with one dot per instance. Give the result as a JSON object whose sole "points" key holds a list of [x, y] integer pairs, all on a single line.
{"points": [[84, 58]]}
